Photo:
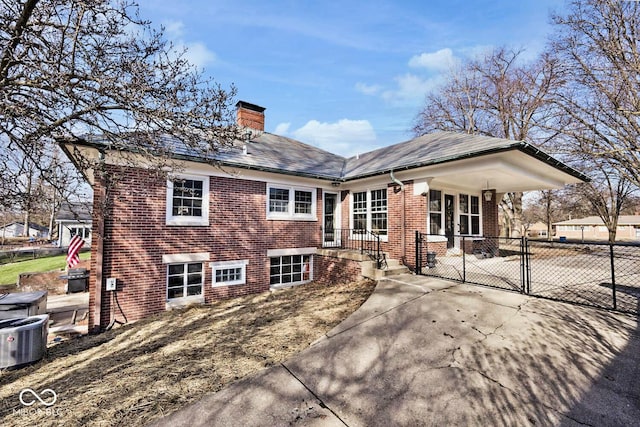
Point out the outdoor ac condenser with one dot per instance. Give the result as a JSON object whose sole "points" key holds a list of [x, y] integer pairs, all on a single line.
{"points": [[22, 304], [23, 340]]}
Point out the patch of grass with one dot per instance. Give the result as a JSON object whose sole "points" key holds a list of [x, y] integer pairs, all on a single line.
{"points": [[9, 272]]}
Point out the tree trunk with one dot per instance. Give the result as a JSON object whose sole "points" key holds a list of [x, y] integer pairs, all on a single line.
{"points": [[27, 206]]}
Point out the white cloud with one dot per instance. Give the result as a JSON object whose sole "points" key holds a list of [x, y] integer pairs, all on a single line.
{"points": [[441, 60], [368, 89], [282, 128], [411, 88], [174, 29], [197, 53], [344, 137]]}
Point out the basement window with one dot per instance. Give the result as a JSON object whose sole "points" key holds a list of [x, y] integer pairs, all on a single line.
{"points": [[184, 280], [290, 270], [227, 273]]}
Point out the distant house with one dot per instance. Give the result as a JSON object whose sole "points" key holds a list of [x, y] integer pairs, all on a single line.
{"points": [[593, 228], [16, 229], [277, 210], [74, 220], [538, 230]]}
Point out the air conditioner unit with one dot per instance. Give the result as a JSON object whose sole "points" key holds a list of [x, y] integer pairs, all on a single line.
{"points": [[23, 340], [23, 304]]}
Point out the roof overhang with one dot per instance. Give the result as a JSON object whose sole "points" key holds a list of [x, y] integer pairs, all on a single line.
{"points": [[504, 171]]}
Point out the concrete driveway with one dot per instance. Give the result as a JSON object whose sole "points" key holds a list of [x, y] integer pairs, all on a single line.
{"points": [[424, 351]]}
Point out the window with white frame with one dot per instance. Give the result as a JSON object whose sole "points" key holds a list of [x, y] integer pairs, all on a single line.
{"points": [[226, 273], [379, 211], [290, 269], [188, 200], [360, 210], [83, 232], [184, 280], [291, 203], [369, 211], [469, 207], [435, 211]]}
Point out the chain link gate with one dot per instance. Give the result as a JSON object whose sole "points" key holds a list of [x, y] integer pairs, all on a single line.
{"points": [[600, 275]]}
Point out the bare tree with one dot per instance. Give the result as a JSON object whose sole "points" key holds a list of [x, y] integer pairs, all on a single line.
{"points": [[69, 68], [607, 194], [496, 95], [598, 44]]}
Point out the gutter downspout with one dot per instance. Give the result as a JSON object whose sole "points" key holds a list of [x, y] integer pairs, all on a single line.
{"points": [[403, 219]]}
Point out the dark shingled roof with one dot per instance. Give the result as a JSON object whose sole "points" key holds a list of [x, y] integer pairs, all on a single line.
{"points": [[74, 212], [274, 153], [280, 154], [425, 150]]}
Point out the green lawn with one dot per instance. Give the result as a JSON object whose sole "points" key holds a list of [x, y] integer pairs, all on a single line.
{"points": [[9, 272]]}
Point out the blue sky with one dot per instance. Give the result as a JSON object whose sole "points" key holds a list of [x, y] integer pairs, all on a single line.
{"points": [[347, 76]]}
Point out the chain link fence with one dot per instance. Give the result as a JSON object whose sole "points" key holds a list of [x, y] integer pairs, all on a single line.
{"points": [[595, 274]]}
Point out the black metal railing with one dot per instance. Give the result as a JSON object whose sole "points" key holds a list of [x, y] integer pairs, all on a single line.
{"points": [[597, 274], [365, 241]]}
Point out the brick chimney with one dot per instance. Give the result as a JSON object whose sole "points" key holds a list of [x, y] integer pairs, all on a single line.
{"points": [[250, 115]]}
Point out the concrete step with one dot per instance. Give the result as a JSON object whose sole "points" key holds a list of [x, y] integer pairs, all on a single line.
{"points": [[391, 263], [395, 271], [393, 268]]}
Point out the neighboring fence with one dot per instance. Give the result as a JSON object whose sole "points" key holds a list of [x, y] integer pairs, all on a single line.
{"points": [[596, 274]]}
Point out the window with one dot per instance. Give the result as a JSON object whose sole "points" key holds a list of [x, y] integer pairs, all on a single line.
{"points": [[83, 232], [290, 269], [435, 212], [369, 211], [291, 203], [184, 280], [188, 201], [304, 202], [379, 211], [469, 207], [227, 273], [278, 200], [360, 210], [187, 198]]}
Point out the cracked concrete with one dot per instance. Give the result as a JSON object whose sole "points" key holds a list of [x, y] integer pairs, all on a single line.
{"points": [[424, 351]]}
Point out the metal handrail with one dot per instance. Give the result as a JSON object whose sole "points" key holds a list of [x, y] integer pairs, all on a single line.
{"points": [[365, 241]]}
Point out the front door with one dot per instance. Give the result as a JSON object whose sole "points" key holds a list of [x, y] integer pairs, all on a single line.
{"points": [[449, 219], [331, 235]]}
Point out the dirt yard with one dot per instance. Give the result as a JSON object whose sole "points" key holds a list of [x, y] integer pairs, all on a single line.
{"points": [[140, 372]]}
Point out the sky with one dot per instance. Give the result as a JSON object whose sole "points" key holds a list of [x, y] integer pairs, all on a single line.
{"points": [[346, 76]]}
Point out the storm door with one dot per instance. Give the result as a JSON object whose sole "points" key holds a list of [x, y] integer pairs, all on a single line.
{"points": [[330, 220], [449, 219]]}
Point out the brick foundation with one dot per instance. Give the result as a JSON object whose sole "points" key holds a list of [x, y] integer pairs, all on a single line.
{"points": [[332, 270]]}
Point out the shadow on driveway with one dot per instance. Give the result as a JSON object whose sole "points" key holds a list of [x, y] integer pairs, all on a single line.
{"points": [[424, 351]]}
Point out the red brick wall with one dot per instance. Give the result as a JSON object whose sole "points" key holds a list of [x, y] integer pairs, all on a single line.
{"points": [[332, 271], [249, 118], [440, 248], [415, 218], [136, 238], [490, 224]]}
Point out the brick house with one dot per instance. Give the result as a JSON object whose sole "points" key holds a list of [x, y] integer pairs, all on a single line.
{"points": [[74, 220], [275, 211], [593, 228]]}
